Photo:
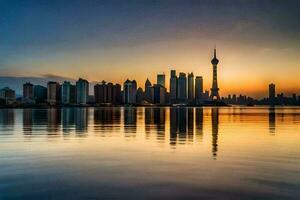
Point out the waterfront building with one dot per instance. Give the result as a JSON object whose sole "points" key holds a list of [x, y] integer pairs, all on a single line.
{"points": [[82, 91], [199, 88], [53, 92], [28, 92], [161, 79], [129, 90], [7, 96], [66, 92], [191, 87], [214, 94], [173, 86], [182, 88], [272, 94], [159, 94], [40, 93], [148, 91]]}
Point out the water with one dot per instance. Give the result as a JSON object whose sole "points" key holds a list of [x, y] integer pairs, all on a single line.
{"points": [[150, 153]]}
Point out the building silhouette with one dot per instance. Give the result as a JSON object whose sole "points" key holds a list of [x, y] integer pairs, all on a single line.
{"points": [[272, 94], [28, 92], [7, 96], [129, 91], [161, 78], [182, 95], [40, 93], [53, 92], [82, 91], [66, 92], [214, 89], [148, 96], [191, 87], [173, 86], [159, 94], [199, 88]]}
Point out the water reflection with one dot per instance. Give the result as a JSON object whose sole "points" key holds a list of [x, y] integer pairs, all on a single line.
{"points": [[272, 120], [176, 125], [215, 130]]}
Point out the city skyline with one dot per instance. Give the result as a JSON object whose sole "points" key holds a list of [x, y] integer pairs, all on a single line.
{"points": [[259, 41]]}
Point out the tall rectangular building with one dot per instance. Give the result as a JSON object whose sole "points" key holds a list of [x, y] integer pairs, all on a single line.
{"points": [[65, 92], [161, 79], [182, 89], [40, 93], [199, 88], [173, 86], [191, 87], [82, 91], [28, 91], [272, 93], [53, 92]]}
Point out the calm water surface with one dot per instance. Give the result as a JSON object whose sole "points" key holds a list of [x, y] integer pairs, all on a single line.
{"points": [[150, 153]]}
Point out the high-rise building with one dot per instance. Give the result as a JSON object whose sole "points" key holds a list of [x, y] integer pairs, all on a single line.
{"points": [[65, 92], [159, 94], [181, 95], [191, 87], [82, 91], [73, 97], [173, 86], [40, 93], [129, 92], [148, 94], [28, 91], [117, 94], [272, 93], [198, 88], [109, 98], [214, 89], [7, 95], [53, 92], [139, 95], [161, 79]]}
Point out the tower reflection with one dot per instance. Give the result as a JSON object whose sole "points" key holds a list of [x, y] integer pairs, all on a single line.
{"points": [[54, 119], [27, 121], [68, 119], [130, 116], [272, 120], [215, 130], [81, 120], [106, 120], [199, 124], [7, 119], [181, 125]]}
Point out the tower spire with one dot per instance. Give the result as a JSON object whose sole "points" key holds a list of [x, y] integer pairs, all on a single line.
{"points": [[215, 52]]}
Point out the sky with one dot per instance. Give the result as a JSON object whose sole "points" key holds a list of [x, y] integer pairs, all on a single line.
{"points": [[258, 41]]}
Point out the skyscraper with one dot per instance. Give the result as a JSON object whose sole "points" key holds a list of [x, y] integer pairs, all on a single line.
{"points": [[40, 93], [173, 86], [148, 94], [28, 91], [198, 88], [181, 95], [191, 87], [159, 94], [129, 92], [272, 94], [53, 92], [161, 79], [214, 89], [82, 91], [65, 92], [7, 95]]}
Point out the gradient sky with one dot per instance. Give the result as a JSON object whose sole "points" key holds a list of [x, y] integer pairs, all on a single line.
{"points": [[258, 42]]}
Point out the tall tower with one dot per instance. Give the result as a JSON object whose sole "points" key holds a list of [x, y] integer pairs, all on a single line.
{"points": [[214, 89]]}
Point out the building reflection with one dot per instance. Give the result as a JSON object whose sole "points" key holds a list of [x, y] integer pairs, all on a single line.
{"points": [[54, 120], [149, 121], [7, 119], [272, 120], [155, 119], [106, 119], [27, 121], [199, 124], [68, 119], [181, 125], [215, 130], [130, 116], [81, 120]]}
